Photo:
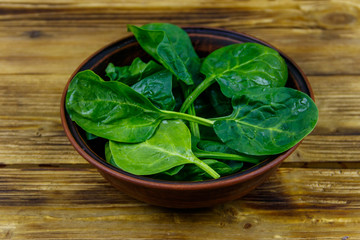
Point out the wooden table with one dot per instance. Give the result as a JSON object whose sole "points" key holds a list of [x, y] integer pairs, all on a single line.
{"points": [[47, 191]]}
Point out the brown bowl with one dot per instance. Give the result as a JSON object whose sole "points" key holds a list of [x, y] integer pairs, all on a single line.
{"points": [[171, 193]]}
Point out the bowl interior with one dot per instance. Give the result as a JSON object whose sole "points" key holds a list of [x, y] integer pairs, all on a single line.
{"points": [[124, 51]]}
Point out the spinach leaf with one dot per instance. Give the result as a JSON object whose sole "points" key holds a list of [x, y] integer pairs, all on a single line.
{"points": [[179, 97], [90, 136], [208, 133], [245, 65], [214, 153], [110, 110], [173, 171], [219, 150], [240, 66], [108, 156], [194, 127], [214, 146], [253, 114], [110, 159], [115, 111], [149, 79], [194, 173], [191, 172], [133, 73], [267, 121], [158, 89], [171, 46], [220, 103], [169, 147], [235, 166], [228, 158]]}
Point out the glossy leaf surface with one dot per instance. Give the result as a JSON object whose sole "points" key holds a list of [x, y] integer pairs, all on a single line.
{"points": [[133, 73], [169, 147], [191, 172], [267, 121], [220, 103], [110, 110], [158, 89], [108, 156], [171, 46], [90, 136], [219, 150], [214, 146], [240, 66]]}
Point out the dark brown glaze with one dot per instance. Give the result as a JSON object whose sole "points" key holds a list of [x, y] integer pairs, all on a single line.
{"points": [[170, 193]]}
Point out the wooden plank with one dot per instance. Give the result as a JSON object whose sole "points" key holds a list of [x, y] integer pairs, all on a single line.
{"points": [[47, 191], [41, 51], [314, 34], [338, 100], [77, 203], [30, 126], [317, 148], [336, 137], [158, 4]]}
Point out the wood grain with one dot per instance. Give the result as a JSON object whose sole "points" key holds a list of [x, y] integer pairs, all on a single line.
{"points": [[78, 203], [305, 5], [47, 191], [46, 34]]}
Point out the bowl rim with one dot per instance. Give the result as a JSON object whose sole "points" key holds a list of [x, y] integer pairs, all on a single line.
{"points": [[179, 185]]}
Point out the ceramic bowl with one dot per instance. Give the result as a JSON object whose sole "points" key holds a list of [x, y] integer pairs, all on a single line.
{"points": [[171, 193]]}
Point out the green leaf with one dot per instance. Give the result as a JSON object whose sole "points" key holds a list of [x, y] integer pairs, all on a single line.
{"points": [[214, 146], [243, 66], [169, 147], [158, 89], [115, 111], [267, 121], [90, 136], [108, 155], [133, 73], [111, 110], [194, 173], [240, 66], [191, 172], [109, 159], [218, 150], [178, 94], [173, 171], [220, 103], [236, 166], [208, 133], [227, 158], [171, 46]]}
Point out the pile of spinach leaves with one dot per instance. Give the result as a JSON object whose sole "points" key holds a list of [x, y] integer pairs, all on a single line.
{"points": [[179, 117]]}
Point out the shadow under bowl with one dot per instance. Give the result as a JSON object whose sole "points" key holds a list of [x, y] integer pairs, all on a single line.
{"points": [[175, 194]]}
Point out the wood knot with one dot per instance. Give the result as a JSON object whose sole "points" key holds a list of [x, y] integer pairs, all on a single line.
{"points": [[34, 34], [38, 132], [247, 225], [229, 216], [339, 18]]}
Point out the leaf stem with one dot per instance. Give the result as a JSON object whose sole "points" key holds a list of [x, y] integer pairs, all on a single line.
{"points": [[225, 156], [206, 168], [188, 117], [197, 91], [194, 127]]}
